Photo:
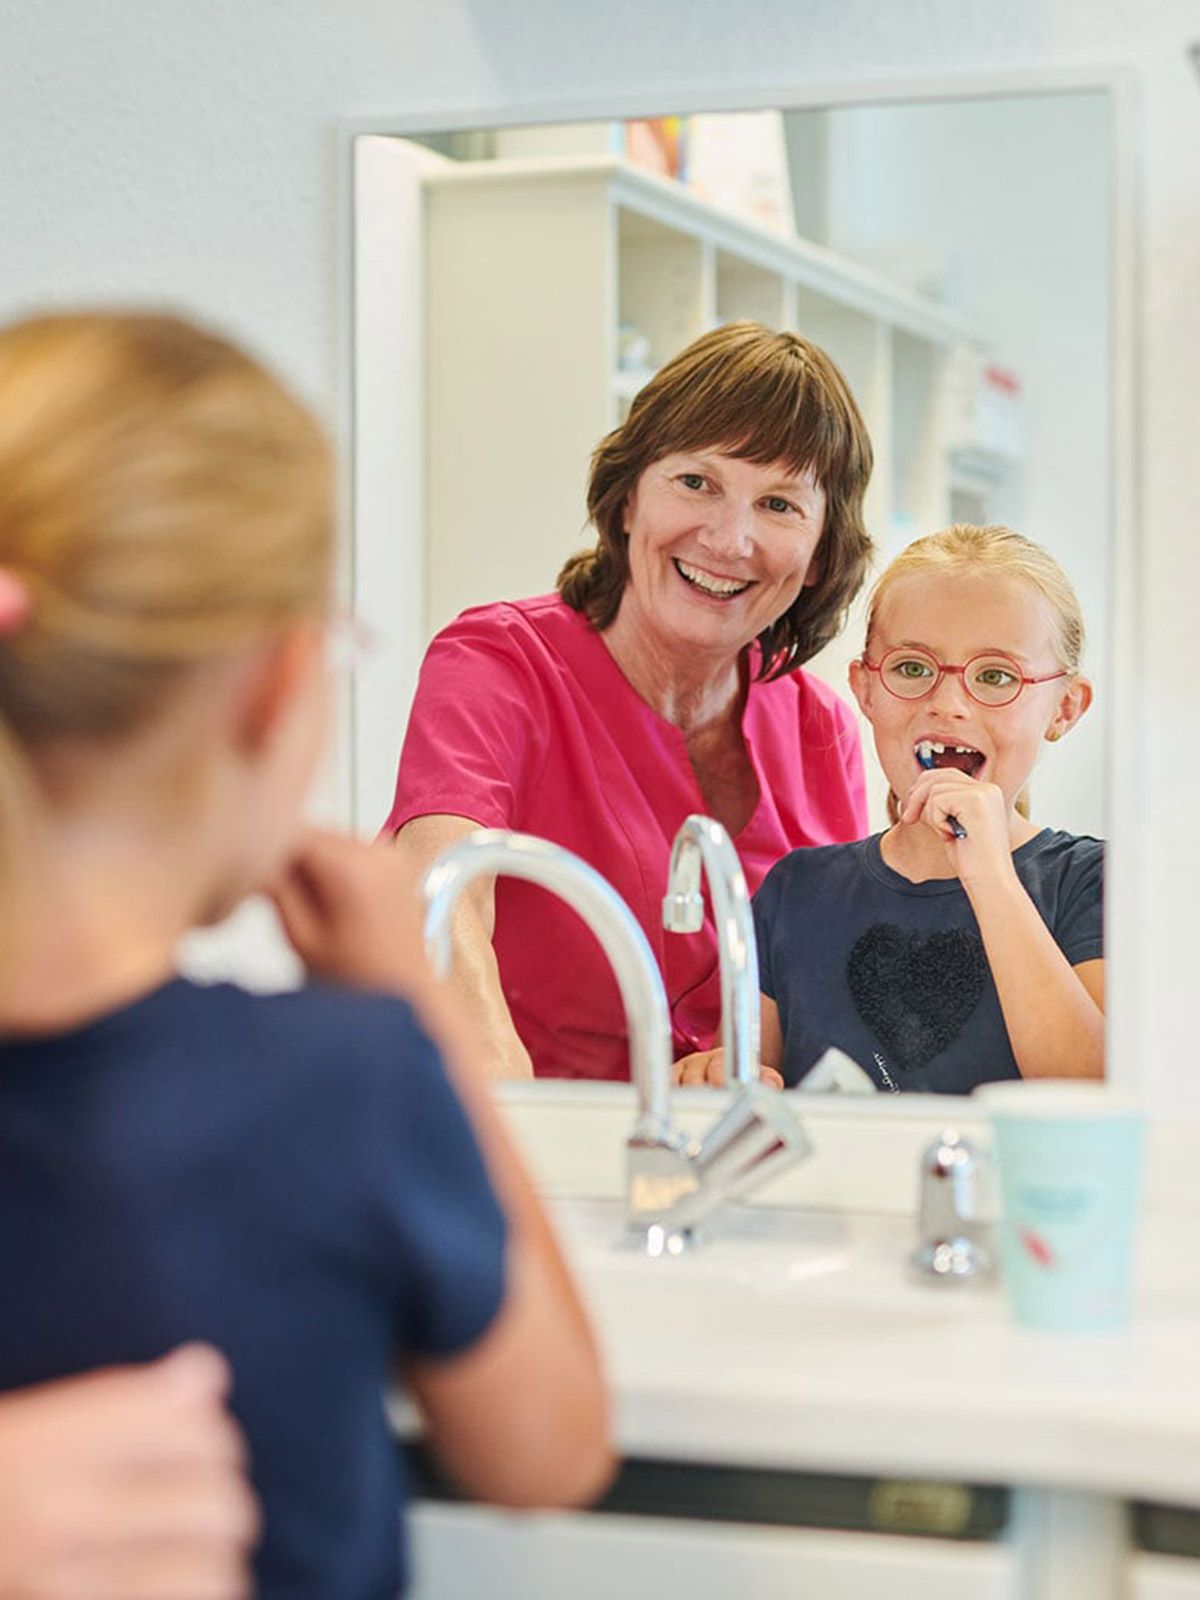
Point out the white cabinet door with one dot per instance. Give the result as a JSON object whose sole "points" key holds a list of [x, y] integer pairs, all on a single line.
{"points": [[1164, 1578], [465, 1553]]}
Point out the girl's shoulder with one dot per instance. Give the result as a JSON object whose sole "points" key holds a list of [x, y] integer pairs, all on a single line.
{"points": [[1054, 851], [321, 1035]]}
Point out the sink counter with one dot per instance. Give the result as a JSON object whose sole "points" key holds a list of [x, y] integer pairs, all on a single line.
{"points": [[780, 1390], [795, 1337], [797, 1340]]}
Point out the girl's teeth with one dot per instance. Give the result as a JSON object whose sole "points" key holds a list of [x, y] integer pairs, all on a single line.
{"points": [[927, 749]]}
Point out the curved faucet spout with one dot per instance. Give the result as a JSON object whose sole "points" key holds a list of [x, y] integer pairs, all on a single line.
{"points": [[491, 851], [703, 841]]}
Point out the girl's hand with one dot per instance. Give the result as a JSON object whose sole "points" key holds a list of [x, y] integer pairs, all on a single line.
{"points": [[944, 792], [708, 1067], [353, 913]]}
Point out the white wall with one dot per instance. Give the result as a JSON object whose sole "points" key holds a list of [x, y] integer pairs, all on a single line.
{"points": [[188, 152], [1012, 198]]}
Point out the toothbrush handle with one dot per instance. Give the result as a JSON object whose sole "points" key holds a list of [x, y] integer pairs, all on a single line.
{"points": [[956, 827]]}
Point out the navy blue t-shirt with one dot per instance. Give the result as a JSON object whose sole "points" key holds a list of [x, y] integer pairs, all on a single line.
{"points": [[894, 973], [289, 1177]]}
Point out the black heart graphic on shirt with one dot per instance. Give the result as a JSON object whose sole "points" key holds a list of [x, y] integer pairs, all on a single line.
{"points": [[915, 991]]}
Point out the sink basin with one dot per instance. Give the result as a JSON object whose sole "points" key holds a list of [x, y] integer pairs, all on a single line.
{"points": [[753, 1246], [766, 1267]]}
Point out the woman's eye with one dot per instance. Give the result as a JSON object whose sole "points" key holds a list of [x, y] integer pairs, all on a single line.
{"points": [[692, 480], [776, 502]]}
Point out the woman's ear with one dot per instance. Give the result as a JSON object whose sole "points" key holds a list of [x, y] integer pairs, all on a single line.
{"points": [[277, 675], [628, 509], [1071, 705], [815, 570]]}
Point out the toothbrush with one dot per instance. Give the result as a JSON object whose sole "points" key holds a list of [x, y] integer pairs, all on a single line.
{"points": [[925, 757]]}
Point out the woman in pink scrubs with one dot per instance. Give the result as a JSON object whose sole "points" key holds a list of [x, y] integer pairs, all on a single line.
{"points": [[662, 678]]}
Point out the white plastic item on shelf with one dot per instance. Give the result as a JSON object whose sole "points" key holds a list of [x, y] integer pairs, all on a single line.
{"points": [[984, 407]]}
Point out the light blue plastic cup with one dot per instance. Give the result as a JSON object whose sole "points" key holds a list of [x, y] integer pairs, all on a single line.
{"points": [[1069, 1157]]}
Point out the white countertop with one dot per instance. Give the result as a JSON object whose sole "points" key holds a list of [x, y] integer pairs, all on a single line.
{"points": [[797, 1340]]}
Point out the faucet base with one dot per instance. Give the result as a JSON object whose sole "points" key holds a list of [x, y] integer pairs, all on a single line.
{"points": [[660, 1239]]}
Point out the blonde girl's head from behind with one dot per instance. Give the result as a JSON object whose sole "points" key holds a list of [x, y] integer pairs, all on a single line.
{"points": [[967, 567], [164, 504]]}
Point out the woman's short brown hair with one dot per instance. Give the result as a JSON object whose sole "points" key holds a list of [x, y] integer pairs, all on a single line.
{"points": [[763, 397]]}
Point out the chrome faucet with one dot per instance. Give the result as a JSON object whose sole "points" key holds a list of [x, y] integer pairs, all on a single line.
{"points": [[519, 855], [673, 1183], [701, 841]]}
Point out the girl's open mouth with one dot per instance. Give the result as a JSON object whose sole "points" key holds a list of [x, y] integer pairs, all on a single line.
{"points": [[962, 757]]}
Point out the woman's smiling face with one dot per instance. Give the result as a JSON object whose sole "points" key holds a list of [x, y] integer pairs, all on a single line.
{"points": [[955, 617], [719, 547]]}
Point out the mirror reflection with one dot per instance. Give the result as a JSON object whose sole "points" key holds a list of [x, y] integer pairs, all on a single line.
{"points": [[737, 361]]}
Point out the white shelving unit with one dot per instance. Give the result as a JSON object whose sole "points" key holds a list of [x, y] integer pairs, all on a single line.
{"points": [[490, 299], [532, 268]]}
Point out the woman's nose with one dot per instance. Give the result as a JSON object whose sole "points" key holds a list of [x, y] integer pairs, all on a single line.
{"points": [[729, 530]]}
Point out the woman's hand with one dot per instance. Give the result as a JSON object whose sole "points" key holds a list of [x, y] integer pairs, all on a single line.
{"points": [[708, 1067], [353, 913], [980, 808], [126, 1484]]}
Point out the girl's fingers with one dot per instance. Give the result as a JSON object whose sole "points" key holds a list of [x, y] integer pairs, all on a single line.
{"points": [[704, 1066], [693, 1069], [708, 1067], [934, 797]]}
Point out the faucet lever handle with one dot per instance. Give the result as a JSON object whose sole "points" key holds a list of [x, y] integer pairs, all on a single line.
{"points": [[756, 1137], [683, 912], [950, 1228]]}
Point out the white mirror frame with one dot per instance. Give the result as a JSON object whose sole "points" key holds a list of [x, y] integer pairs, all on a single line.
{"points": [[380, 366]]}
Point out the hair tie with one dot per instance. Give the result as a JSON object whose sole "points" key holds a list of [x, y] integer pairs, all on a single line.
{"points": [[15, 603]]}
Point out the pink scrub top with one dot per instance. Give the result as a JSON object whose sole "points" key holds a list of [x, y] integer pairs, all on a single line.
{"points": [[523, 720]]}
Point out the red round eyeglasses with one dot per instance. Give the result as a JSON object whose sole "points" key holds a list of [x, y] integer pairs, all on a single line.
{"points": [[991, 680]]}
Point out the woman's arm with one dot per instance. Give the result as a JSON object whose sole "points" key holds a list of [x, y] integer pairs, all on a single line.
{"points": [[521, 1417], [474, 978]]}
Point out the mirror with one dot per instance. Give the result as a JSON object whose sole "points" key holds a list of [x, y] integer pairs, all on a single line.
{"points": [[956, 257]]}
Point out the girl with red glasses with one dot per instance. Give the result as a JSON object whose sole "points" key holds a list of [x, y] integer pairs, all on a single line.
{"points": [[965, 943]]}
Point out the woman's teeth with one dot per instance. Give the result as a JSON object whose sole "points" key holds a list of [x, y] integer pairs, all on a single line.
{"points": [[721, 588]]}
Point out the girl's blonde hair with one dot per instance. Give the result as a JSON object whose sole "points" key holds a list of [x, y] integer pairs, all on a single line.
{"points": [[966, 548], [163, 500]]}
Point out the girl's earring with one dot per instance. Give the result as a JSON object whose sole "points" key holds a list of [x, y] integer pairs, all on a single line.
{"points": [[1053, 735]]}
